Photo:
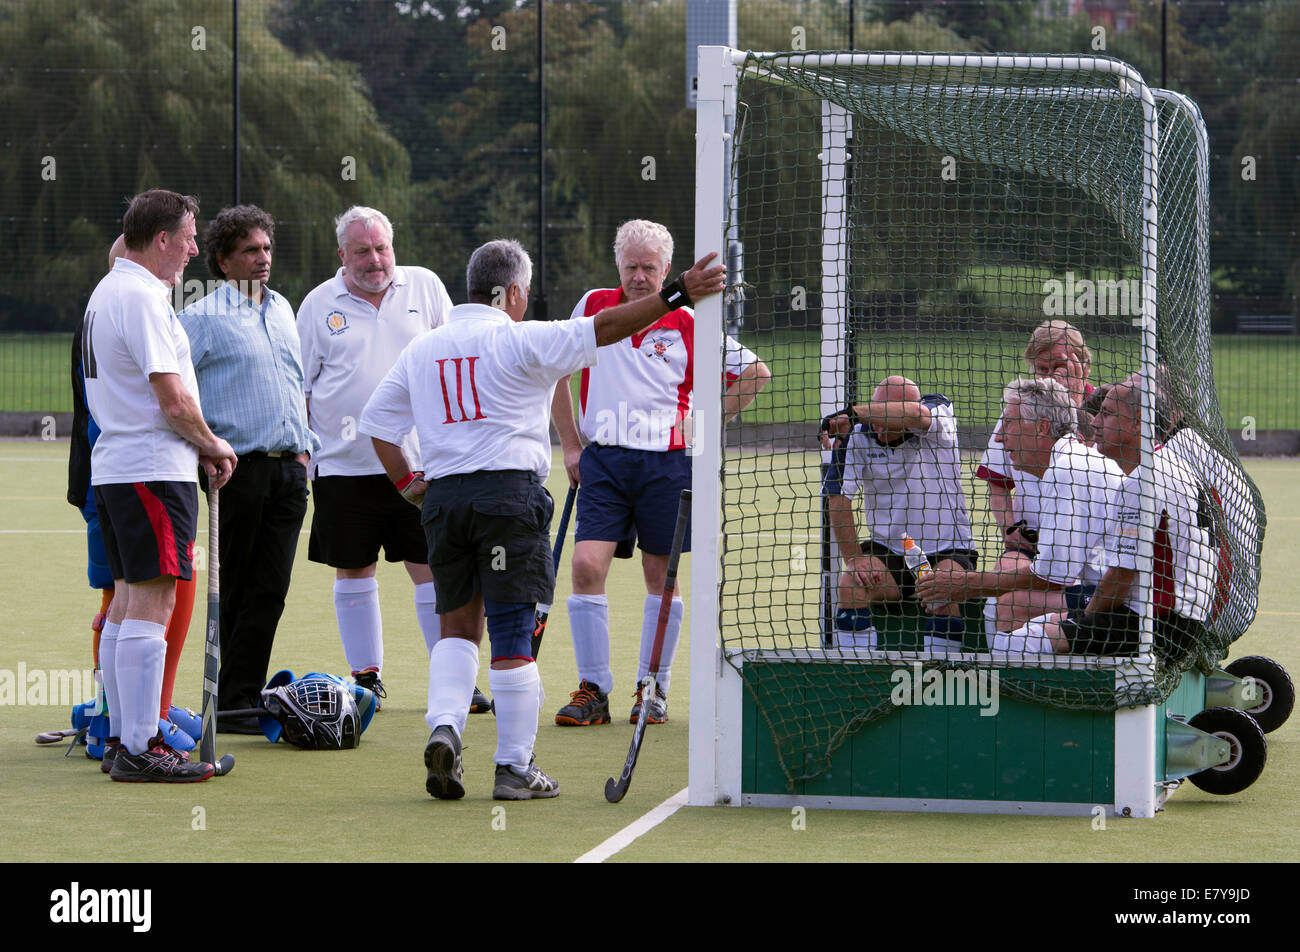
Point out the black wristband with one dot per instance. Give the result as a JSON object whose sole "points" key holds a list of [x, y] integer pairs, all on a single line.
{"points": [[675, 296]]}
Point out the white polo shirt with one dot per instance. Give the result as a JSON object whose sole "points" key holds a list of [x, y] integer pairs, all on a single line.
{"points": [[478, 391], [347, 347], [131, 332], [1238, 564], [912, 487], [1069, 507], [644, 384], [1183, 571]]}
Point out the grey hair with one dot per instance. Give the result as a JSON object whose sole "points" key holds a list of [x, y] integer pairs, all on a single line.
{"points": [[367, 216], [494, 267], [646, 234], [1044, 399]]}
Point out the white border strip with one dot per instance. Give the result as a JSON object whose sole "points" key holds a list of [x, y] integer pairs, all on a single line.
{"points": [[625, 836], [926, 805]]}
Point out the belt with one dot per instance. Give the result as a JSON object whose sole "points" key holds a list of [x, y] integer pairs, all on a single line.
{"points": [[273, 454]]}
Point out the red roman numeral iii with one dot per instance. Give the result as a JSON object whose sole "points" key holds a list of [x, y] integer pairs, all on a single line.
{"points": [[460, 390]]}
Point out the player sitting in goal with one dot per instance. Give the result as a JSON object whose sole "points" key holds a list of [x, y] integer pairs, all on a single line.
{"points": [[1183, 573], [1064, 491], [902, 453]]}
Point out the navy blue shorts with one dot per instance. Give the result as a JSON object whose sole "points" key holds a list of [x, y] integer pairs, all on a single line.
{"points": [[632, 491]]}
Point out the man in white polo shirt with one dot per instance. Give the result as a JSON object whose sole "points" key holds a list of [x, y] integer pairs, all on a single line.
{"points": [[1056, 349], [1065, 492], [634, 467], [141, 390], [478, 393], [903, 456], [352, 328], [1183, 566]]}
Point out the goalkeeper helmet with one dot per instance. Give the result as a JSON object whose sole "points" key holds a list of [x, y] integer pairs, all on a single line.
{"points": [[316, 713]]}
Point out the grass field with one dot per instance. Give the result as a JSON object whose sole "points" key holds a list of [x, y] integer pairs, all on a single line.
{"points": [[1255, 375], [369, 804]]}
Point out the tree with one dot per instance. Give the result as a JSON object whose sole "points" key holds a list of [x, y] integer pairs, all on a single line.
{"points": [[105, 99]]}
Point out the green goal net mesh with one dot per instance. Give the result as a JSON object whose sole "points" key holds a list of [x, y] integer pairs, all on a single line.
{"points": [[918, 234]]}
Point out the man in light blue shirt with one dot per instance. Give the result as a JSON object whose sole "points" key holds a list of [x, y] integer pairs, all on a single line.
{"points": [[247, 357]]}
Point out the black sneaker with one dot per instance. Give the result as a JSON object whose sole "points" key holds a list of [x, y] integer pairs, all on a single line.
{"points": [[587, 706], [480, 703], [370, 681], [158, 764], [657, 708], [111, 748], [446, 778], [531, 784]]}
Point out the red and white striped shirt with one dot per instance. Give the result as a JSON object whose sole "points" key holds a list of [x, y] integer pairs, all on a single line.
{"points": [[641, 388]]}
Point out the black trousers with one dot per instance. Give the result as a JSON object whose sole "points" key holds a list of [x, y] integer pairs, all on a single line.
{"points": [[261, 512]]}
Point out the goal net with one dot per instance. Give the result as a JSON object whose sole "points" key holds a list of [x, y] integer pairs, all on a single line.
{"points": [[919, 232]]}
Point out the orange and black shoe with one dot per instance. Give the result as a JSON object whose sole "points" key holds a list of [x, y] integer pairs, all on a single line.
{"points": [[587, 706], [480, 703], [657, 708]]}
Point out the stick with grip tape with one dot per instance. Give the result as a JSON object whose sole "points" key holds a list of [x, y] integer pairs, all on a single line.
{"points": [[212, 649], [544, 611], [616, 789]]}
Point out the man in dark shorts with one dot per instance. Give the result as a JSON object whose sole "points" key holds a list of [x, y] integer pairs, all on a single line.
{"points": [[1184, 555], [632, 406], [478, 392], [901, 452], [352, 327], [141, 390]]}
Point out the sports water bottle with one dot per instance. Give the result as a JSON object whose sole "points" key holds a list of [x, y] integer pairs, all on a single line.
{"points": [[918, 565]]}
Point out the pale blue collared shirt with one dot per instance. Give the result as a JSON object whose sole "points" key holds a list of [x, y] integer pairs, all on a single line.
{"points": [[249, 367]]}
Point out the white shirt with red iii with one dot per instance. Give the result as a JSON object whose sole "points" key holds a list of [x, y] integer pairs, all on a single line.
{"points": [[642, 388], [478, 391]]}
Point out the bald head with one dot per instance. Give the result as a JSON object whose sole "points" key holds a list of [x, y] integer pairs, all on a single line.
{"points": [[896, 388], [117, 251]]}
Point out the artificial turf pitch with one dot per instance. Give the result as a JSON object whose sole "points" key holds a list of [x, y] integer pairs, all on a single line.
{"points": [[369, 804]]}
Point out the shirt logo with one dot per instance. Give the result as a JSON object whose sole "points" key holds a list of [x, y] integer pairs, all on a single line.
{"points": [[660, 348], [337, 323]]}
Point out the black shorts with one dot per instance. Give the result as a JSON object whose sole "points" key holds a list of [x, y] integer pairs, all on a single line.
{"points": [[1102, 633], [148, 528], [966, 558], [1174, 637], [490, 532], [355, 516]]}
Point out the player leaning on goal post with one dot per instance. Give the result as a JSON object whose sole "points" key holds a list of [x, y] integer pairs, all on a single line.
{"points": [[141, 390], [478, 391], [632, 472]]}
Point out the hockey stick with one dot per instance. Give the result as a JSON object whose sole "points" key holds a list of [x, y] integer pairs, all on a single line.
{"points": [[616, 789], [212, 650], [544, 611], [54, 737]]}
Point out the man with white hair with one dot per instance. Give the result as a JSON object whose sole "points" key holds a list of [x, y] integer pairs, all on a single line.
{"points": [[478, 392], [1183, 566], [632, 405], [352, 329], [1065, 492], [902, 454]]}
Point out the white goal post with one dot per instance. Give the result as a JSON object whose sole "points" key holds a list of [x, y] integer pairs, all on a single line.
{"points": [[717, 688]]}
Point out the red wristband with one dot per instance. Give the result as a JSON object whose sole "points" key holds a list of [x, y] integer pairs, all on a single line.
{"points": [[407, 480]]}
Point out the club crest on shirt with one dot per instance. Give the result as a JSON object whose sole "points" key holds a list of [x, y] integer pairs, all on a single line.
{"points": [[659, 348], [337, 322]]}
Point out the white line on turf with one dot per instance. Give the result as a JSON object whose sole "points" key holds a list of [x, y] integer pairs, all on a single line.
{"points": [[625, 836]]}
